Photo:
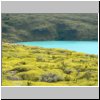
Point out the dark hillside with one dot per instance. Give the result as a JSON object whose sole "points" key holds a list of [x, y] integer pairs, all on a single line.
{"points": [[37, 27]]}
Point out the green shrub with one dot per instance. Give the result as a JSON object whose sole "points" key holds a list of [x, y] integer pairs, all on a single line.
{"points": [[39, 59], [80, 68], [13, 78], [86, 75], [22, 63], [69, 78], [33, 75], [67, 71], [29, 83], [22, 68], [50, 77]]}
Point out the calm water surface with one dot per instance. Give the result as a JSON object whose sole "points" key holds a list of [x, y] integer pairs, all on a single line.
{"points": [[89, 47]]}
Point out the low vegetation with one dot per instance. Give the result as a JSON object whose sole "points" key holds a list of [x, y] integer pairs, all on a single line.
{"points": [[36, 66], [41, 27]]}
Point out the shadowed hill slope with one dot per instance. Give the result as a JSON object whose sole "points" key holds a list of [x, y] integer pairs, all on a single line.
{"points": [[37, 27]]}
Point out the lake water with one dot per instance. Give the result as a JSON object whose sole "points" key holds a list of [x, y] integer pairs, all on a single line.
{"points": [[89, 47]]}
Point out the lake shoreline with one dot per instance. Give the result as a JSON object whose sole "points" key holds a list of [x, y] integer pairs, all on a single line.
{"points": [[89, 47]]}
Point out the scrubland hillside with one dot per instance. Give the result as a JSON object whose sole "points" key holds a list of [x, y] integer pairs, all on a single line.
{"points": [[40, 27], [35, 66]]}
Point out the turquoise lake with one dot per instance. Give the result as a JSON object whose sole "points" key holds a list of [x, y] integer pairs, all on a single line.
{"points": [[89, 47]]}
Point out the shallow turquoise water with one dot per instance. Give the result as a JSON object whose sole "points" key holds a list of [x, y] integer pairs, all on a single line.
{"points": [[89, 47]]}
